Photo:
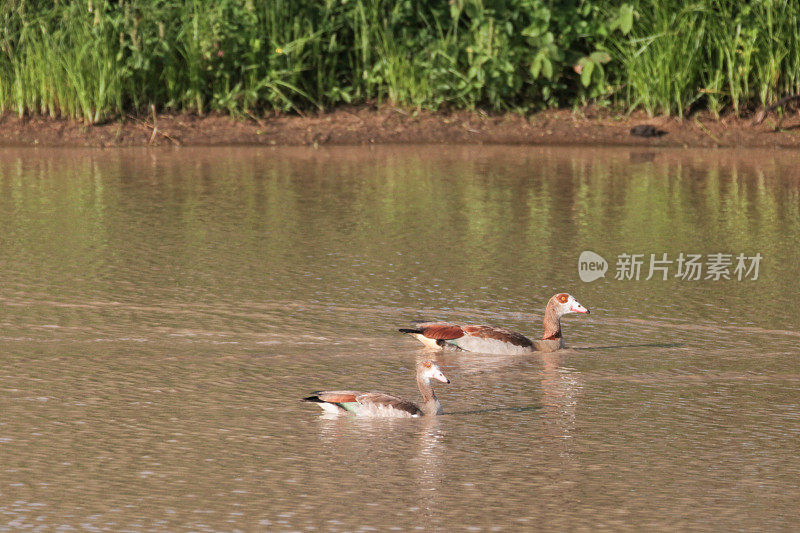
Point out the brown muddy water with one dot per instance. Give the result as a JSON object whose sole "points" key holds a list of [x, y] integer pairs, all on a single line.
{"points": [[161, 313]]}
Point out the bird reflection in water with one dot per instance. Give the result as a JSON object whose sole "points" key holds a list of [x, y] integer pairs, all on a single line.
{"points": [[561, 390]]}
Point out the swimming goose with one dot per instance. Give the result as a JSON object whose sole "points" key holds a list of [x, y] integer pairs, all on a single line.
{"points": [[489, 339], [379, 404]]}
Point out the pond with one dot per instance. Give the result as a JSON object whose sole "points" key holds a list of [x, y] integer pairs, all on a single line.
{"points": [[163, 311]]}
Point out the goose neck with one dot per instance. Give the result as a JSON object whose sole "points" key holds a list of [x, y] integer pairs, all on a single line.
{"points": [[552, 323]]}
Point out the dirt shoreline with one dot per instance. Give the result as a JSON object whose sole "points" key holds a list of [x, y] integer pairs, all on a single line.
{"points": [[387, 125]]}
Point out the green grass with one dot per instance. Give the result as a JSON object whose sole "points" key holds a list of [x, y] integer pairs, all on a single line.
{"points": [[717, 54], [97, 59]]}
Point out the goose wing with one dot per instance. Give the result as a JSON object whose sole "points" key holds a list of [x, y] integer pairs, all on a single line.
{"points": [[498, 334], [380, 401], [443, 331], [333, 396], [447, 332]]}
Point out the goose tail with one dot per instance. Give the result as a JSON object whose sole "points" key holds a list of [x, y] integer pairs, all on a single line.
{"points": [[314, 399]]}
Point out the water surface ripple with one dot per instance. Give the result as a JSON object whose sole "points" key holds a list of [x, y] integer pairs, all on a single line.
{"points": [[161, 311]]}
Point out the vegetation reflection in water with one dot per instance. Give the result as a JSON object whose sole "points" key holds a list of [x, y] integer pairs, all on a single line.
{"points": [[331, 216]]}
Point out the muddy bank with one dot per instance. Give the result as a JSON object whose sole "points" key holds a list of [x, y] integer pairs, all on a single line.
{"points": [[367, 125]]}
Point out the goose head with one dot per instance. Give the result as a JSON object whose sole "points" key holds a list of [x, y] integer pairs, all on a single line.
{"points": [[430, 370], [563, 304]]}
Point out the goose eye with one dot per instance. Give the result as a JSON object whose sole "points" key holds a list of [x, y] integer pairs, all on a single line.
{"points": [[562, 298]]}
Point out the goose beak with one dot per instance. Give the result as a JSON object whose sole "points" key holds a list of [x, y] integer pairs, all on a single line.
{"points": [[578, 308], [441, 377]]}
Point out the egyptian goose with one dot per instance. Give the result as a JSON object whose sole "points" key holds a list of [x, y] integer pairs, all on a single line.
{"points": [[489, 339], [379, 404]]}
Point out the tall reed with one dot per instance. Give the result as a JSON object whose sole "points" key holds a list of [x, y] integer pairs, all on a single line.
{"points": [[99, 59], [718, 53]]}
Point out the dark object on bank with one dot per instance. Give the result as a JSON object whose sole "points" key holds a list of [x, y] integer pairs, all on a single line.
{"points": [[646, 130], [761, 114]]}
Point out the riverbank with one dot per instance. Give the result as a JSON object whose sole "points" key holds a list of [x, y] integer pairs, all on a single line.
{"points": [[388, 125]]}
